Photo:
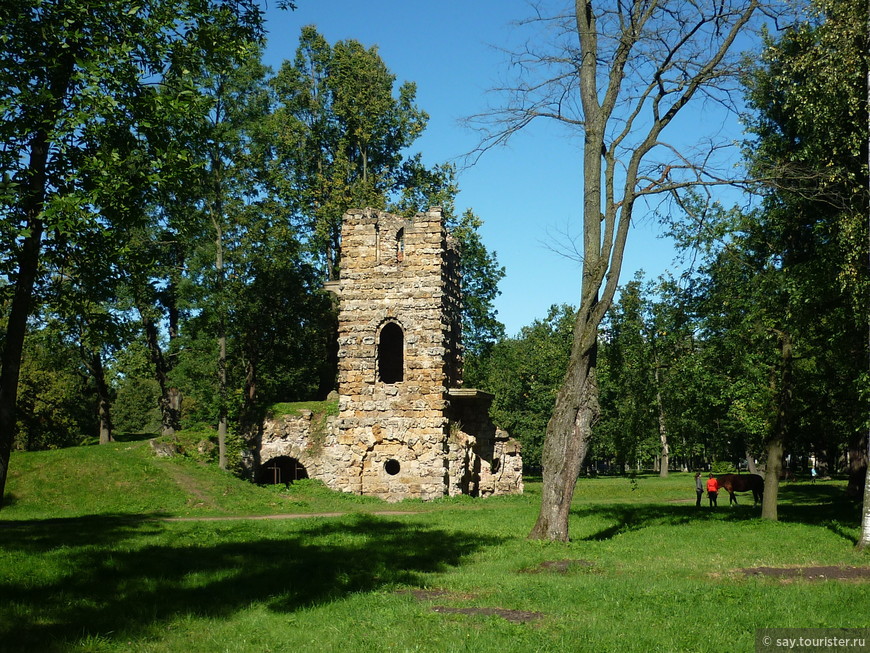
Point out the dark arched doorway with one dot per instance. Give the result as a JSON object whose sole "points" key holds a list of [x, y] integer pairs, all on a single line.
{"points": [[391, 354], [282, 469]]}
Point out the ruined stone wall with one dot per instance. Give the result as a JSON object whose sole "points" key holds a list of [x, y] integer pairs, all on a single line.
{"points": [[405, 428], [393, 273], [452, 311], [483, 459], [309, 439]]}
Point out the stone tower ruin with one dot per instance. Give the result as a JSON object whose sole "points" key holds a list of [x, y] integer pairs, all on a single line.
{"points": [[405, 427]]}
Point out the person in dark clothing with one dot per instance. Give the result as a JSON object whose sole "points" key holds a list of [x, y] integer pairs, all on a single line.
{"points": [[699, 489]]}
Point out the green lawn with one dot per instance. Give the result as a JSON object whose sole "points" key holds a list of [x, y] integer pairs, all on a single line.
{"points": [[89, 562]]}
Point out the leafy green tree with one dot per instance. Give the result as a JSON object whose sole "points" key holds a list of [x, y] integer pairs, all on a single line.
{"points": [[152, 287], [649, 384], [341, 134], [628, 417], [257, 327], [757, 300], [56, 400], [76, 89], [681, 394], [748, 307], [481, 275], [281, 324], [230, 168], [137, 393], [811, 136]]}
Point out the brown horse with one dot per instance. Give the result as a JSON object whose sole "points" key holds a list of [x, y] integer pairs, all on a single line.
{"points": [[742, 483]]}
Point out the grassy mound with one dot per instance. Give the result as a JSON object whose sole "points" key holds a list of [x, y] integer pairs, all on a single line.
{"points": [[127, 478]]}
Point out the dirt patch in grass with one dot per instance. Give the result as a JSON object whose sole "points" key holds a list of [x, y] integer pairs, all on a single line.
{"points": [[558, 566], [810, 573], [515, 616], [429, 595]]}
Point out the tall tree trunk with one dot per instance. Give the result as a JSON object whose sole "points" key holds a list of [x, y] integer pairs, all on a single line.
{"points": [[249, 409], [776, 442], [577, 409], [663, 432], [170, 398], [566, 443], [222, 341], [217, 220], [771, 479], [607, 213], [94, 363], [33, 203], [864, 540], [16, 328], [750, 462], [35, 188], [857, 465], [222, 409]]}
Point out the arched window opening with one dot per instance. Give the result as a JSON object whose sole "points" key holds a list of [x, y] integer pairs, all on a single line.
{"points": [[400, 245], [282, 469], [391, 354]]}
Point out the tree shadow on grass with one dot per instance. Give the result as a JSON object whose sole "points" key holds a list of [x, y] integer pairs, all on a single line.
{"points": [[38, 536], [627, 518], [818, 505], [132, 588]]}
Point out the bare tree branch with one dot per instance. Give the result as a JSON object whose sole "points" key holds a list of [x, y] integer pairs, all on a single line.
{"points": [[621, 72]]}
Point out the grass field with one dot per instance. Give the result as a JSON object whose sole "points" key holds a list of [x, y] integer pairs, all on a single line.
{"points": [[106, 548]]}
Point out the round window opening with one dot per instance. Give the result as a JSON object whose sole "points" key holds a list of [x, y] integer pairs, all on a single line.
{"points": [[392, 467]]}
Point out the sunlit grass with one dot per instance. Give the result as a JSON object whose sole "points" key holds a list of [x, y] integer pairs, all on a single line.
{"points": [[87, 563]]}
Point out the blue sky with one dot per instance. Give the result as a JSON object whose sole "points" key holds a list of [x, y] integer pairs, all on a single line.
{"points": [[528, 193]]}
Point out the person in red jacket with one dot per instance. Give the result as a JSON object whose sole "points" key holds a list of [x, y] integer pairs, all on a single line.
{"points": [[712, 490]]}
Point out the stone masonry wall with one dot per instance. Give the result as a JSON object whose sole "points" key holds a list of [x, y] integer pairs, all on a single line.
{"points": [[405, 428], [393, 273], [483, 459]]}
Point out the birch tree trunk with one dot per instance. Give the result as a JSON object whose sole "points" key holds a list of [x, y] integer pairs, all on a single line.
{"points": [[663, 432], [864, 540]]}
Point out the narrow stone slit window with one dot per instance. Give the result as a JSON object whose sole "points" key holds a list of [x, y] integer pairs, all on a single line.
{"points": [[400, 245], [391, 354]]}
